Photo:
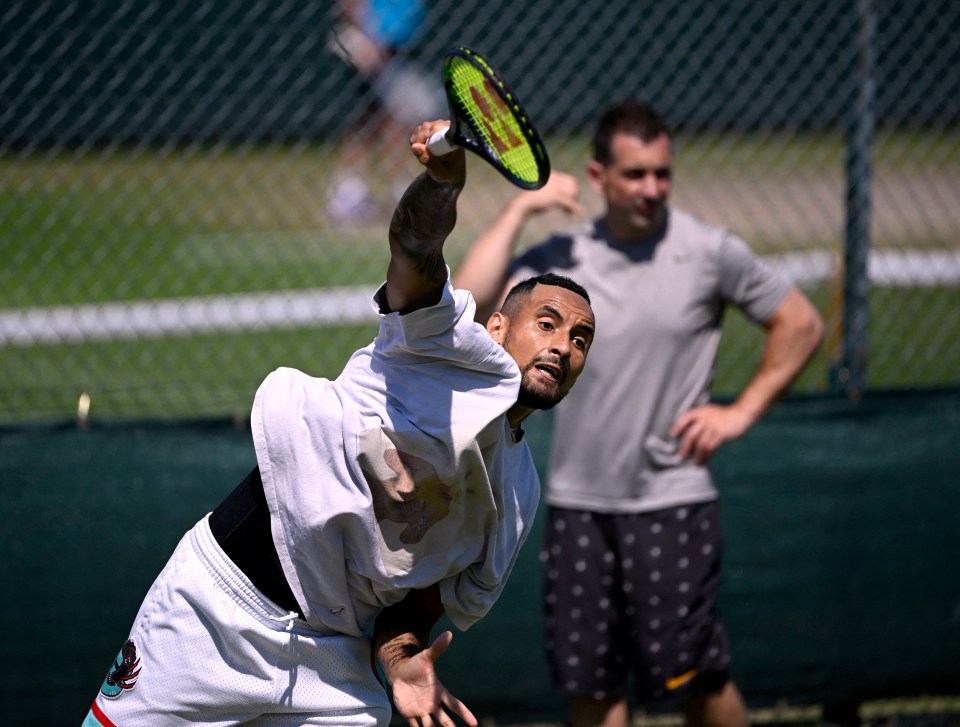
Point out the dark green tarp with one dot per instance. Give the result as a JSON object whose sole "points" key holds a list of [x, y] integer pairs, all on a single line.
{"points": [[840, 584]]}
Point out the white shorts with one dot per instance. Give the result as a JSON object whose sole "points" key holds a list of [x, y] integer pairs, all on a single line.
{"points": [[207, 648]]}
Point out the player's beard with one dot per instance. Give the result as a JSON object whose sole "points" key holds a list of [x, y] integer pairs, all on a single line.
{"points": [[535, 394]]}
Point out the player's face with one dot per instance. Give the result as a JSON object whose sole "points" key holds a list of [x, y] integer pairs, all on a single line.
{"points": [[635, 184], [548, 335]]}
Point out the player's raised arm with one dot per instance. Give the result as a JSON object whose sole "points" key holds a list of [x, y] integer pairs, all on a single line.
{"points": [[425, 216]]}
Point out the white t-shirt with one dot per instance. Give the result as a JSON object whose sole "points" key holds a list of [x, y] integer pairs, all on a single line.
{"points": [[399, 474]]}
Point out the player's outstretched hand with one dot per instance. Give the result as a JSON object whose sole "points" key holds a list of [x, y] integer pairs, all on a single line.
{"points": [[418, 694], [450, 167]]}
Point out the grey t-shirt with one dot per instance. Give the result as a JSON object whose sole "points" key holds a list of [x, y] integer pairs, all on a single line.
{"points": [[659, 305]]}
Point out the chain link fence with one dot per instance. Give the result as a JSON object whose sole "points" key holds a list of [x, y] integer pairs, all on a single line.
{"points": [[192, 194]]}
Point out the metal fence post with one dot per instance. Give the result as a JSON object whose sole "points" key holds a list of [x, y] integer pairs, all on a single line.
{"points": [[849, 375]]}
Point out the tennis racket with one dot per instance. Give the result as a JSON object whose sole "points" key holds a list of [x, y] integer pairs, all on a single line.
{"points": [[486, 118]]}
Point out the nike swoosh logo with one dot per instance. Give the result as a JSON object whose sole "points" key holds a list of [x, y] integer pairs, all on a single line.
{"points": [[678, 681]]}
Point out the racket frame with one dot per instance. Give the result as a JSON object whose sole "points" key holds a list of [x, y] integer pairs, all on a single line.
{"points": [[446, 140]]}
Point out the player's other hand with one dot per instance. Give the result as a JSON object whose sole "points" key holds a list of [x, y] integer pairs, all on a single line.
{"points": [[562, 191], [451, 167], [418, 694]]}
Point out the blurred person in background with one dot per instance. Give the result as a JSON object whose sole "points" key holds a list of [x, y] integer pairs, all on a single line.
{"points": [[632, 542], [374, 38]]}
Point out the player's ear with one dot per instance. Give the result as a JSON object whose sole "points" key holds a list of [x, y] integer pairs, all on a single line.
{"points": [[497, 327]]}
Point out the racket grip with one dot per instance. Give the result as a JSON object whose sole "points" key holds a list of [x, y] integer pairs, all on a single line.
{"points": [[438, 144]]}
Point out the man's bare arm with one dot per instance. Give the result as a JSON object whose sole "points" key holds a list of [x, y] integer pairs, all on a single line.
{"points": [[794, 333], [483, 270], [425, 216]]}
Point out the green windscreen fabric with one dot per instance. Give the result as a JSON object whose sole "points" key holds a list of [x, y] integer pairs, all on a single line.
{"points": [[840, 578], [89, 519]]}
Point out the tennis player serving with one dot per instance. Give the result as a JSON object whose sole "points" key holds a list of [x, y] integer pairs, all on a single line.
{"points": [[381, 499]]}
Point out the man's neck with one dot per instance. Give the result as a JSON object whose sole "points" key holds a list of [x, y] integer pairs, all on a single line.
{"points": [[627, 235]]}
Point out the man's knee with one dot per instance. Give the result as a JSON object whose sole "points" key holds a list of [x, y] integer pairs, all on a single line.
{"points": [[721, 707], [606, 712]]}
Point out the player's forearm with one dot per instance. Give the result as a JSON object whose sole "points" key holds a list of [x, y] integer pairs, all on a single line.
{"points": [[403, 630], [424, 217], [393, 652]]}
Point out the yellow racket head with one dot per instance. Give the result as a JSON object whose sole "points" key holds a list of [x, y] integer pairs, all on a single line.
{"points": [[500, 130]]}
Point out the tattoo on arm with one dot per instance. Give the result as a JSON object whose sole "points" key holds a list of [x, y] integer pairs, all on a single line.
{"points": [[422, 221], [399, 649], [402, 630]]}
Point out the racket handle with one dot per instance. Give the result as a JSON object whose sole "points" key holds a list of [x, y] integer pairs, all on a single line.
{"points": [[438, 144]]}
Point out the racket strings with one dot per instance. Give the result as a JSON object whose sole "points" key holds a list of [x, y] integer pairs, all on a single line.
{"points": [[491, 118]]}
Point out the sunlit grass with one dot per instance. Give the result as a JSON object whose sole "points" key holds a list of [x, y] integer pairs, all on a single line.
{"points": [[114, 224]]}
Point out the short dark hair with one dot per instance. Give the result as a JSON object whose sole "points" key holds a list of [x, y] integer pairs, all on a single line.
{"points": [[524, 287], [634, 117]]}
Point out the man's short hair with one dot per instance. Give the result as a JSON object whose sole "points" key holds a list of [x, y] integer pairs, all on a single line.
{"points": [[634, 117], [524, 287]]}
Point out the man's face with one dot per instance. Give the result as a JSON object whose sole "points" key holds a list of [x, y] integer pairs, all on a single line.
{"points": [[635, 185], [548, 335]]}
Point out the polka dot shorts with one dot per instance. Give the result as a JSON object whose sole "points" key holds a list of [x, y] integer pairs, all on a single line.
{"points": [[634, 592]]}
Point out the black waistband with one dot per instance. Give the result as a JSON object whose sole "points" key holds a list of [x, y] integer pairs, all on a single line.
{"points": [[241, 525]]}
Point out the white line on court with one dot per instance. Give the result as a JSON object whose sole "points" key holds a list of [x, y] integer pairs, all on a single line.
{"points": [[183, 316], [347, 305]]}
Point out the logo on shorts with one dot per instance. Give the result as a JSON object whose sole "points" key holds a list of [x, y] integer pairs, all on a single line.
{"points": [[676, 682], [124, 672]]}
